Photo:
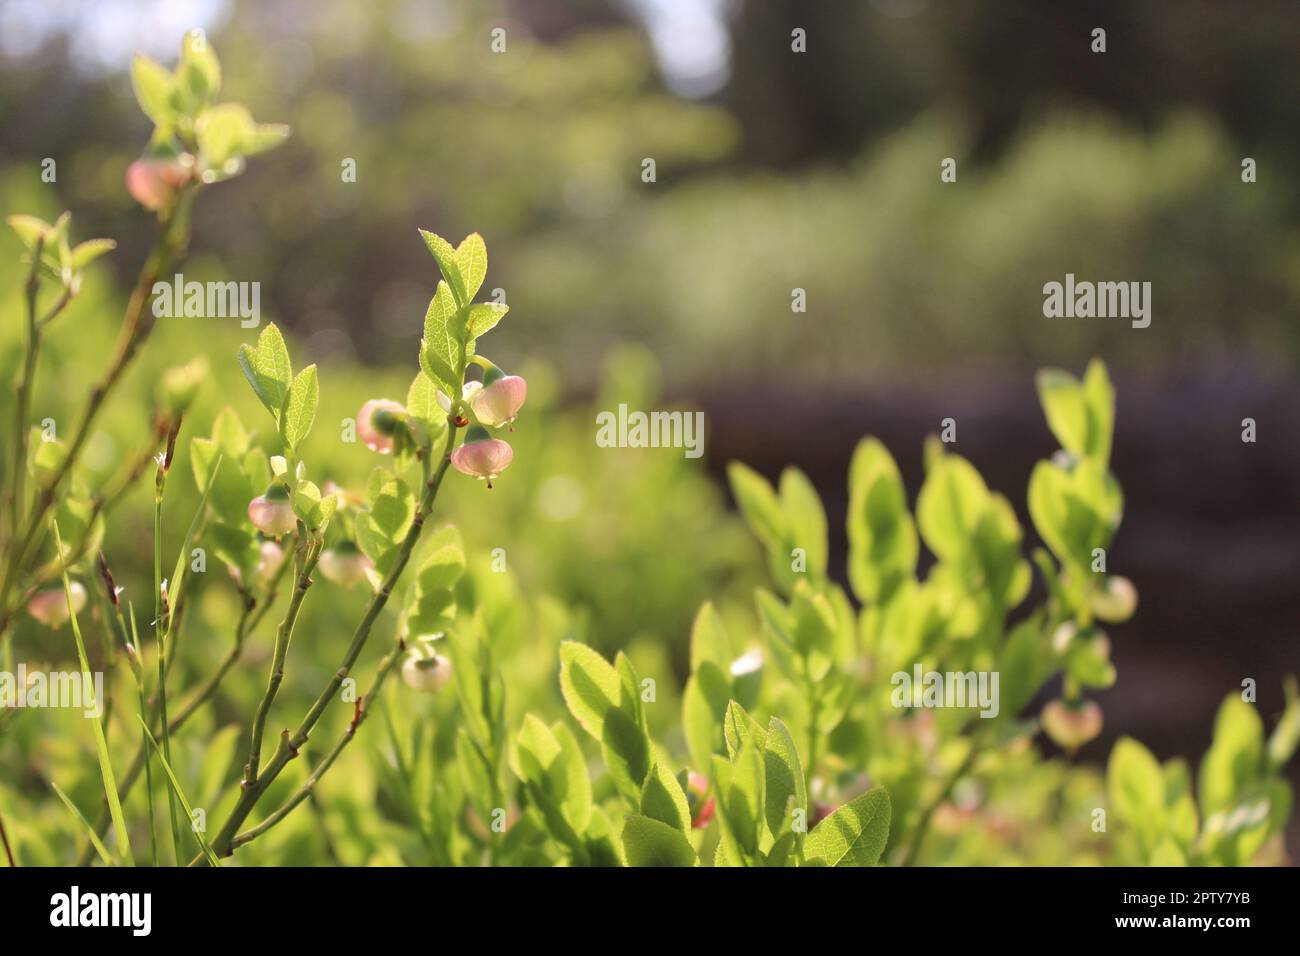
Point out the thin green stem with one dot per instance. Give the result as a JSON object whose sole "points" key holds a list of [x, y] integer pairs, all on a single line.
{"points": [[291, 744], [160, 637], [305, 557], [306, 790], [23, 403], [136, 327]]}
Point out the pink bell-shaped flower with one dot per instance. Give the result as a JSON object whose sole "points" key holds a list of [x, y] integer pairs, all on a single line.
{"points": [[426, 673], [50, 607], [345, 564], [499, 400], [271, 513], [1072, 723], [378, 422], [482, 456]]}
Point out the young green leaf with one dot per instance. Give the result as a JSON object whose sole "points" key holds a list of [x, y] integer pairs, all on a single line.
{"points": [[591, 688], [153, 89], [1134, 783], [854, 835], [786, 790], [471, 261], [883, 544], [662, 799], [87, 252], [445, 255], [300, 407], [650, 842], [223, 130], [267, 369], [484, 316]]}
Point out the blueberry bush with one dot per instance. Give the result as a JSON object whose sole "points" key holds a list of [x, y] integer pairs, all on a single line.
{"points": [[309, 572]]}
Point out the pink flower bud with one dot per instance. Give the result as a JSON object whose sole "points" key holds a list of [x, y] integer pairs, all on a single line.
{"points": [[697, 787], [482, 456], [428, 674], [1072, 725], [497, 404], [377, 423], [51, 607], [271, 513], [153, 182], [345, 564]]}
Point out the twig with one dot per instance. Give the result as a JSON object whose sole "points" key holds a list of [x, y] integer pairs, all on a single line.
{"points": [[306, 556], [290, 745], [361, 712]]}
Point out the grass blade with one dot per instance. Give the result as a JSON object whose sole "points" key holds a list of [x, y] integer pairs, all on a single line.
{"points": [[94, 837], [180, 795], [101, 744]]}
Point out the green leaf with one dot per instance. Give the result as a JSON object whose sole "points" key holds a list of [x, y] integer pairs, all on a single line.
{"points": [[153, 89], [883, 544], [263, 137], [739, 729], [306, 502], [591, 688], [805, 518], [223, 130], [29, 228], [709, 640], [1135, 784], [445, 256], [483, 317], [300, 407], [422, 403], [662, 799], [198, 76], [650, 842], [626, 749], [949, 507], [1282, 742], [444, 347], [1099, 395], [381, 529], [575, 795], [1066, 409], [267, 369], [1234, 761], [785, 786], [471, 261], [90, 250], [738, 801], [854, 835]]}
